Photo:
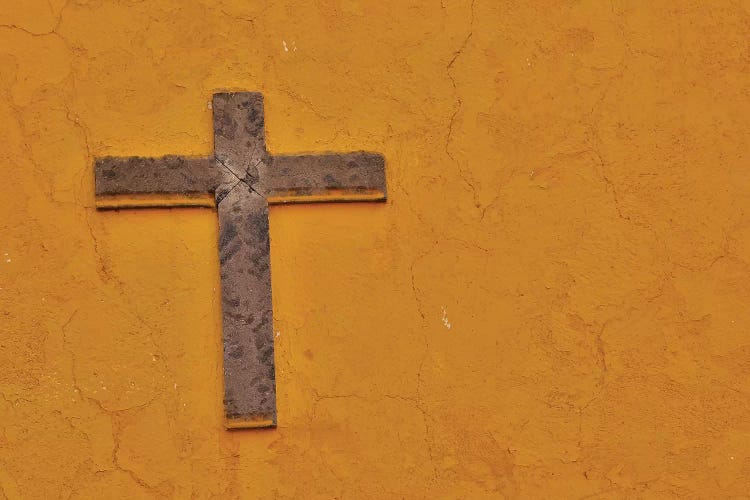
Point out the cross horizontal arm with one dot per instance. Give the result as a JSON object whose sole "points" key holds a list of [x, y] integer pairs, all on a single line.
{"points": [[327, 177], [167, 175]]}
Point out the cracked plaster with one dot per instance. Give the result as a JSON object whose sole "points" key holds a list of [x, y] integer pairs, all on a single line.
{"points": [[597, 294]]}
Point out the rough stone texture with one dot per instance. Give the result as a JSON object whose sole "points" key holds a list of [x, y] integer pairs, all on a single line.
{"points": [[239, 135], [568, 191], [245, 266], [245, 261], [300, 176], [169, 174]]}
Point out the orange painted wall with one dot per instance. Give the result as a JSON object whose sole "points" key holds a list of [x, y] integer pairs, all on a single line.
{"points": [[552, 304]]}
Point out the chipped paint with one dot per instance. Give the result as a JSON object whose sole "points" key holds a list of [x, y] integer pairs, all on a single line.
{"points": [[444, 319]]}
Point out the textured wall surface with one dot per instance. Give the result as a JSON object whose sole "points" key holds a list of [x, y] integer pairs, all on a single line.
{"points": [[554, 302]]}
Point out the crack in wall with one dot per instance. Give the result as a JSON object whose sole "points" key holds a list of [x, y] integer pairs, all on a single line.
{"points": [[113, 415], [458, 106], [53, 31]]}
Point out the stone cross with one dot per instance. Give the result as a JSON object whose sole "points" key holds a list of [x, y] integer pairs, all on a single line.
{"points": [[243, 178]]}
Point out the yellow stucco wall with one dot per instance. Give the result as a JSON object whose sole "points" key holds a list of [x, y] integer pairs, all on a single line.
{"points": [[552, 304]]}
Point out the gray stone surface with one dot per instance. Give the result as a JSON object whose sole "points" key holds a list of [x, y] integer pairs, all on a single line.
{"points": [[245, 266], [312, 175], [239, 135], [165, 175], [243, 176], [239, 146]]}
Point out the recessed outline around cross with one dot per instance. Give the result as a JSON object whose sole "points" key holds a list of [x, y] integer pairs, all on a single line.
{"points": [[244, 178]]}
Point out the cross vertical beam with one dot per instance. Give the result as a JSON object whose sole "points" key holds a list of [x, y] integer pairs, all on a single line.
{"points": [[243, 179], [244, 261]]}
